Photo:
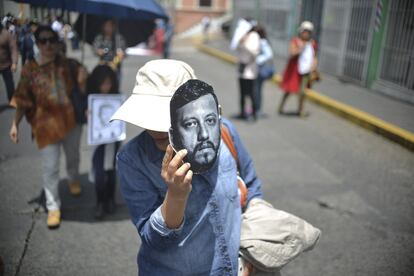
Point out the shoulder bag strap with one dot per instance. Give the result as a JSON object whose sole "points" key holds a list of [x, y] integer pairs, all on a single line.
{"points": [[228, 140]]}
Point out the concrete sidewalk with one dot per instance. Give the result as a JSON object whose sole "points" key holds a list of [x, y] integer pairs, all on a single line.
{"points": [[388, 117]]}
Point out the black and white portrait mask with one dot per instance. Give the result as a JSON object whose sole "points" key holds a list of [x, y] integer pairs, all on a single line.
{"points": [[195, 124]]}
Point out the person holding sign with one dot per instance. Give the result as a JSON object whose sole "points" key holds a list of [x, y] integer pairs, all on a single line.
{"points": [[195, 124], [185, 204], [103, 80]]}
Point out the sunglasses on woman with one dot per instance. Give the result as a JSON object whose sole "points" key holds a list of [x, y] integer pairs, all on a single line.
{"points": [[51, 40]]}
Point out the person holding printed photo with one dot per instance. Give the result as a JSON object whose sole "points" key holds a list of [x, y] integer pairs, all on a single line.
{"points": [[189, 223], [103, 80]]}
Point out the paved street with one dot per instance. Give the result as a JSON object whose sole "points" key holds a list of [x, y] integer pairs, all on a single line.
{"points": [[357, 187]]}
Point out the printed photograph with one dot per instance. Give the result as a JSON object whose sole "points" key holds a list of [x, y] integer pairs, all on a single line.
{"points": [[101, 108], [195, 124]]}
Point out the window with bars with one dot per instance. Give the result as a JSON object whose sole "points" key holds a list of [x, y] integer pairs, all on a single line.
{"points": [[398, 54]]}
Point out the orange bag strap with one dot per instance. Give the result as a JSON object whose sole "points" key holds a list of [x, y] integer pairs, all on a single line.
{"points": [[228, 140]]}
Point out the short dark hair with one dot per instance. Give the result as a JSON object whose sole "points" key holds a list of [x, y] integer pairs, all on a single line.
{"points": [[188, 92], [45, 28]]}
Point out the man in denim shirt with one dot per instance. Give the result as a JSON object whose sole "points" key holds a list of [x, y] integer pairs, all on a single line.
{"points": [[189, 223]]}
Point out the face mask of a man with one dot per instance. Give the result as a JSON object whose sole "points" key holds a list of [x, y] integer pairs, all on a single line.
{"points": [[197, 129]]}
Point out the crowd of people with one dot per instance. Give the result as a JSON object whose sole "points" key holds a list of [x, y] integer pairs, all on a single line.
{"points": [[17, 38], [183, 175], [52, 95]]}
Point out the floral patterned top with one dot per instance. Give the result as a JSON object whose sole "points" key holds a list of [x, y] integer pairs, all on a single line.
{"points": [[43, 92]]}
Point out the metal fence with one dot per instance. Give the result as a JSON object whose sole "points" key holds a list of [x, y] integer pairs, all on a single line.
{"points": [[345, 38], [397, 65], [333, 35], [359, 35]]}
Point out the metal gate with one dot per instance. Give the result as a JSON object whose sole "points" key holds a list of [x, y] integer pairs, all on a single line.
{"points": [[346, 38], [333, 32], [397, 64], [359, 34]]}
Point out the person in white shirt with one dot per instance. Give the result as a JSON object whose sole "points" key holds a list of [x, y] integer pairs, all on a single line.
{"points": [[247, 43], [302, 62]]}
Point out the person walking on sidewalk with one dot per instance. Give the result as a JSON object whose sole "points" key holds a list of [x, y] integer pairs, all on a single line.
{"points": [[28, 48], [189, 224], [248, 48], [103, 80], [43, 96], [265, 67], [302, 62], [205, 25], [8, 59]]}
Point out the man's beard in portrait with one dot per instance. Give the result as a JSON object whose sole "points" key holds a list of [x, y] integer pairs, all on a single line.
{"points": [[205, 164]]}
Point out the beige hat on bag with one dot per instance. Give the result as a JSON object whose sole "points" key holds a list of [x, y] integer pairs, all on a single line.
{"points": [[149, 104]]}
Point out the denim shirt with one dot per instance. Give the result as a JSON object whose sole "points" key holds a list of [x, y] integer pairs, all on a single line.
{"points": [[207, 241]]}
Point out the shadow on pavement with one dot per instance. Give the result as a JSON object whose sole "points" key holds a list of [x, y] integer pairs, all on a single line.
{"points": [[81, 208]]}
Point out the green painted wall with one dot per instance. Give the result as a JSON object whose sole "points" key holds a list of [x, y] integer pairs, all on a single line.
{"points": [[376, 45]]}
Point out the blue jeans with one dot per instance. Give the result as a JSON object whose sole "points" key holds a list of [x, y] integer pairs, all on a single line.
{"points": [[8, 81]]}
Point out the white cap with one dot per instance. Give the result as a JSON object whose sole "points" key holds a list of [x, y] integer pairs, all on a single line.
{"points": [[306, 26]]}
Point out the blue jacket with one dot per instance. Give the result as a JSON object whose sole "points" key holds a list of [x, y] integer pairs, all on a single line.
{"points": [[266, 52], [207, 242], [27, 48]]}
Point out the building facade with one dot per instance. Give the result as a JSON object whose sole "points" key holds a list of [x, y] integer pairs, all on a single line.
{"points": [[369, 42], [187, 13]]}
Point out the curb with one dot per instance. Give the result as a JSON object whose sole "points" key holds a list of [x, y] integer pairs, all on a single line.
{"points": [[352, 114]]}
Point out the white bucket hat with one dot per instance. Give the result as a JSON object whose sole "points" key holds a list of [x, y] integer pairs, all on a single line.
{"points": [[149, 104], [306, 26]]}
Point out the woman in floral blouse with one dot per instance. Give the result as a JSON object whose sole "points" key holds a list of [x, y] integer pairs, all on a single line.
{"points": [[43, 97]]}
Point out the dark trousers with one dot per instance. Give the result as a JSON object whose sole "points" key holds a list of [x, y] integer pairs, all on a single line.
{"points": [[247, 88], [104, 180], [258, 93], [8, 81]]}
